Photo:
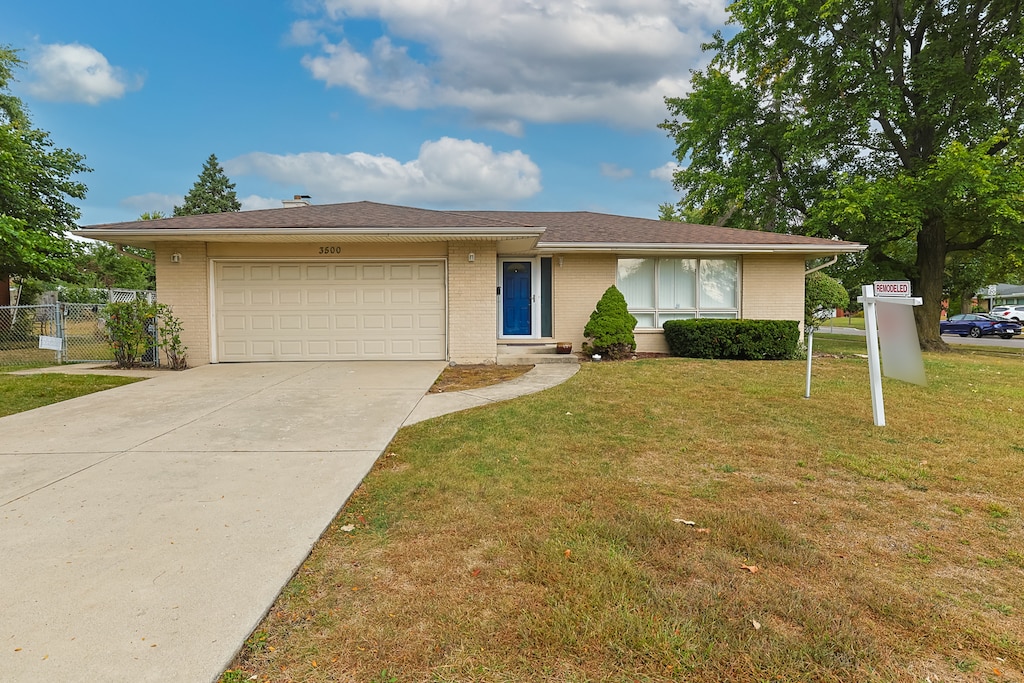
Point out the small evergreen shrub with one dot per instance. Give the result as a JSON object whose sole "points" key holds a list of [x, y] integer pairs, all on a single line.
{"points": [[611, 326], [733, 339]]}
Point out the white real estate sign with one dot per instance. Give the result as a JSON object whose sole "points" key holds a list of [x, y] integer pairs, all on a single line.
{"points": [[889, 319]]}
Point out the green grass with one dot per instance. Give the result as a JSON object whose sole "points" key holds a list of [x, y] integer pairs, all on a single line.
{"points": [[542, 539], [855, 323], [19, 393], [839, 343]]}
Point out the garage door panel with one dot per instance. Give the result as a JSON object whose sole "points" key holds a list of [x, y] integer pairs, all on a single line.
{"points": [[346, 296], [432, 271], [428, 347], [403, 296], [324, 311], [430, 297], [318, 297], [373, 296]]}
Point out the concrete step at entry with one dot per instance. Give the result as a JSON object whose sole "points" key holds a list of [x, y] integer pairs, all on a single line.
{"points": [[532, 354]]}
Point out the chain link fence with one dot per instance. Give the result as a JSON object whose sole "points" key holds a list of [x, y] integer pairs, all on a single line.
{"points": [[61, 332], [25, 332]]}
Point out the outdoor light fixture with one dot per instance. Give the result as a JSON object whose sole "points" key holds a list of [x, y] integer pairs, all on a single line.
{"points": [[561, 260], [175, 258], [472, 257]]}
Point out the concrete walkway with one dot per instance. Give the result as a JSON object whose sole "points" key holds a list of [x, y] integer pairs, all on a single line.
{"points": [[539, 378], [145, 530]]}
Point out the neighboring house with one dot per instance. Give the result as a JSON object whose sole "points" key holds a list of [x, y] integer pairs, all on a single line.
{"points": [[1002, 294], [374, 281]]}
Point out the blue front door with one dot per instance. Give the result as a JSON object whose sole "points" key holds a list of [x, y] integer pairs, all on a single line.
{"points": [[516, 299]]}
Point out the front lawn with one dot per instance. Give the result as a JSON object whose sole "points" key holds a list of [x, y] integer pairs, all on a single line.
{"points": [[680, 520], [25, 392]]}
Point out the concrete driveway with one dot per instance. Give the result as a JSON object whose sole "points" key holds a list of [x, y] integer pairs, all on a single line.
{"points": [[145, 530]]}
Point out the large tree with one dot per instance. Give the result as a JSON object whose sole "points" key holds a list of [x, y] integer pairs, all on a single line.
{"points": [[36, 184], [104, 266], [212, 192], [895, 123]]}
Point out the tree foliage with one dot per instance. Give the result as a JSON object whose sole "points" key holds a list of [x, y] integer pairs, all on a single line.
{"points": [[36, 186], [895, 124], [212, 192], [822, 293], [104, 266]]}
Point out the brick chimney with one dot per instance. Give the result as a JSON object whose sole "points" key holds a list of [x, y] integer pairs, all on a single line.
{"points": [[296, 201]]}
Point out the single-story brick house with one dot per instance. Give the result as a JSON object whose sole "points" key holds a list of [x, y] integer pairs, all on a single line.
{"points": [[374, 281]]}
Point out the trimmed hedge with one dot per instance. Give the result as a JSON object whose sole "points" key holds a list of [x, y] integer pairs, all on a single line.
{"points": [[733, 339]]}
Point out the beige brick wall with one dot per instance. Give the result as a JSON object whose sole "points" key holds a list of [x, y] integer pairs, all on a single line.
{"points": [[185, 287], [773, 287], [472, 307], [577, 285]]}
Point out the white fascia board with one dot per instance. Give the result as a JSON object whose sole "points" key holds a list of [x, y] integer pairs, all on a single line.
{"points": [[629, 248]]}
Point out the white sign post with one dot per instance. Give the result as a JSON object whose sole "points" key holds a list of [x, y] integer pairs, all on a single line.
{"points": [[901, 343]]}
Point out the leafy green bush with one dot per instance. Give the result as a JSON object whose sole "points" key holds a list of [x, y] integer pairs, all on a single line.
{"points": [[733, 339], [611, 326], [128, 326], [170, 338], [130, 331]]}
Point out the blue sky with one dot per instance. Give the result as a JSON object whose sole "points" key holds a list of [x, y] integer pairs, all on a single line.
{"points": [[489, 104]]}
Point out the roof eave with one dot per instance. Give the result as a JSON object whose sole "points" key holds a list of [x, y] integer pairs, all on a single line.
{"points": [[661, 247], [309, 234]]}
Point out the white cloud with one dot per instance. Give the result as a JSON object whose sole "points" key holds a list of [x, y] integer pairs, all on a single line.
{"points": [[446, 172], [153, 201], [303, 33], [665, 172], [615, 171], [254, 202], [509, 60], [77, 73]]}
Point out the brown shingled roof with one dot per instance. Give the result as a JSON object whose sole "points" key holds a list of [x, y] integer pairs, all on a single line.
{"points": [[560, 227], [566, 227], [349, 215]]}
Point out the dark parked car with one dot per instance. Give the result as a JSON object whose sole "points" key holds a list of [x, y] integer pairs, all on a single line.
{"points": [[978, 325]]}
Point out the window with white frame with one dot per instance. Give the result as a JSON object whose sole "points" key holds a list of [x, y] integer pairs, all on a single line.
{"points": [[660, 289]]}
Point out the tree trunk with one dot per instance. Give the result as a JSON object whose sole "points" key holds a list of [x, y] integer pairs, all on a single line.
{"points": [[931, 265], [965, 301]]}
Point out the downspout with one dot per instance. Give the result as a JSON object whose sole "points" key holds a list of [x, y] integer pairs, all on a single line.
{"points": [[143, 259], [815, 269]]}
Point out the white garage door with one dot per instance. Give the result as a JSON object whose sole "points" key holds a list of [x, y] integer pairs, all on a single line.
{"points": [[330, 311]]}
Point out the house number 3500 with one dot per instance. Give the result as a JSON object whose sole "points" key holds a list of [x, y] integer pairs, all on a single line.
{"points": [[330, 250]]}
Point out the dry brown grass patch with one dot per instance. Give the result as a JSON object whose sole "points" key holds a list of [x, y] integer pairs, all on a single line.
{"points": [[465, 377], [535, 540]]}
